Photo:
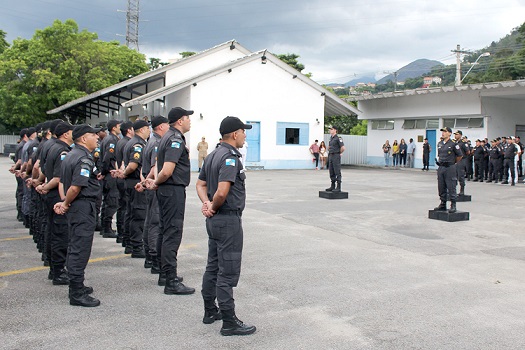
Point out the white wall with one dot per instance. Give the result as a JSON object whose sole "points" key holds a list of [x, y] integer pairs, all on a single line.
{"points": [[504, 115]]}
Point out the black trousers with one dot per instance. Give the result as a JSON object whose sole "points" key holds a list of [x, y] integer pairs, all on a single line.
{"points": [[520, 164], [447, 182], [316, 156], [479, 165], [81, 219], [137, 214], [494, 169], [19, 194], [461, 169], [426, 157], [58, 233], [110, 198], [152, 223], [223, 269], [508, 164], [121, 208], [172, 203], [335, 167]]}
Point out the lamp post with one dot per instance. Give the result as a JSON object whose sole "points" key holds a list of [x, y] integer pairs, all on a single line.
{"points": [[485, 54]]}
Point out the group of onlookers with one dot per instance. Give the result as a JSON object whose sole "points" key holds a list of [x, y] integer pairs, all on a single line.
{"points": [[402, 153], [320, 154]]}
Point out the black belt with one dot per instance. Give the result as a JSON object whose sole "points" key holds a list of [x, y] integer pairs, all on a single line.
{"points": [[91, 199], [509, 158], [230, 212], [332, 153]]}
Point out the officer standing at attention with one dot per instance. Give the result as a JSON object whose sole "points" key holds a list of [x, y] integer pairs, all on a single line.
{"points": [[81, 188], [202, 147], [132, 159], [173, 165], [462, 166], [336, 147], [221, 189], [449, 153], [479, 161], [109, 184], [508, 162]]}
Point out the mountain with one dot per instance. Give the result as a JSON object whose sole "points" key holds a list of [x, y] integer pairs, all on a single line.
{"points": [[364, 79], [411, 70]]}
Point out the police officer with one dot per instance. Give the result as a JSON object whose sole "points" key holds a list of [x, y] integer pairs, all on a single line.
{"points": [[449, 153], [462, 166], [494, 159], [336, 147], [520, 158], [479, 161], [222, 191], [126, 129], [15, 169], [57, 224], [109, 184], [173, 164], [132, 159], [81, 189], [508, 162], [160, 126]]}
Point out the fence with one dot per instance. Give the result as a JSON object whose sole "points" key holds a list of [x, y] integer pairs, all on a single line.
{"points": [[7, 139], [355, 149]]}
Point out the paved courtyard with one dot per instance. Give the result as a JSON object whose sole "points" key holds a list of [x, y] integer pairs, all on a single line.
{"points": [[369, 272]]}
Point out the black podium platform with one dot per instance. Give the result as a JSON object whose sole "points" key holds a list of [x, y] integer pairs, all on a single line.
{"points": [[462, 198], [446, 216], [333, 195]]}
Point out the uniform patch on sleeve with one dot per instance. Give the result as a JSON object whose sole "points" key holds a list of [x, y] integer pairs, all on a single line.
{"points": [[230, 162], [111, 145], [136, 155], [175, 144], [63, 155], [156, 148], [34, 149], [84, 172], [137, 149], [457, 146]]}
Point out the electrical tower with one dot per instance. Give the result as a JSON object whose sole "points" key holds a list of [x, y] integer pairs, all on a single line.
{"points": [[132, 25]]}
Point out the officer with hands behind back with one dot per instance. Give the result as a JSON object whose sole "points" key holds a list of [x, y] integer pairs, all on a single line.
{"points": [[449, 153]]}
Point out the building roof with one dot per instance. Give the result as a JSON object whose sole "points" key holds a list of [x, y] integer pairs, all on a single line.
{"points": [[504, 85], [91, 104], [333, 104]]}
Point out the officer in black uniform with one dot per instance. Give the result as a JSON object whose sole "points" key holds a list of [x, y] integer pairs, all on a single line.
{"points": [[449, 153], [486, 147], [494, 159], [160, 126], [57, 224], [336, 147], [132, 159], [461, 167], [81, 189], [109, 184], [520, 158], [15, 169], [222, 191], [508, 163], [126, 128], [479, 161], [503, 147], [173, 164], [96, 158]]}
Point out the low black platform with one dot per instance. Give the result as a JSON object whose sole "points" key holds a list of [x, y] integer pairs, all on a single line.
{"points": [[446, 216], [462, 198], [333, 195]]}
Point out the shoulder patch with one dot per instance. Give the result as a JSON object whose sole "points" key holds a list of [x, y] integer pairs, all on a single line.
{"points": [[137, 148], [230, 162], [136, 155], [175, 144], [111, 145], [63, 155], [457, 146], [84, 172]]}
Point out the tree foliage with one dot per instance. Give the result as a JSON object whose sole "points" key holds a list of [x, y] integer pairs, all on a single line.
{"points": [[155, 63], [3, 43], [187, 54], [59, 64]]}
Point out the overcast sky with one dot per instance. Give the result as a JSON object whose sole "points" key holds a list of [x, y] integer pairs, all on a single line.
{"points": [[338, 40]]}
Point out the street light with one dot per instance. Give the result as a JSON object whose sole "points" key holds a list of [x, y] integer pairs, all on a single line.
{"points": [[484, 54]]}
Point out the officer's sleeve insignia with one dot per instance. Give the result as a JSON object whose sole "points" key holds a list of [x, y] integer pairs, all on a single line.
{"points": [[63, 155], [111, 150], [137, 148], [457, 146], [340, 139], [156, 149], [175, 144], [34, 149], [230, 162], [84, 172], [96, 154], [136, 155]]}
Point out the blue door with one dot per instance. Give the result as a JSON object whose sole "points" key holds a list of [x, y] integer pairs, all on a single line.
{"points": [[431, 136], [253, 137]]}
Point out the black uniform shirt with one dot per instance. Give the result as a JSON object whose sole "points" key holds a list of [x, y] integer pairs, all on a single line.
{"points": [[510, 151], [223, 165], [55, 156], [448, 151], [108, 156], [118, 150], [172, 148], [426, 148], [44, 153], [78, 169], [479, 152], [132, 153], [495, 153], [335, 144], [18, 151], [33, 151], [463, 146], [149, 156]]}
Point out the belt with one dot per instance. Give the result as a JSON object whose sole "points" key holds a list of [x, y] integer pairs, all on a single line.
{"points": [[230, 212], [90, 199], [509, 158]]}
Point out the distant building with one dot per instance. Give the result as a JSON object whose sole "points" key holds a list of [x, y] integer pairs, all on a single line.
{"points": [[430, 80]]}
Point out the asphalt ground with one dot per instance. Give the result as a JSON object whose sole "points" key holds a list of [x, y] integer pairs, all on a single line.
{"points": [[368, 272]]}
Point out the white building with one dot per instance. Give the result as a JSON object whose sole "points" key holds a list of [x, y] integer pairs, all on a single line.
{"points": [[286, 108], [478, 110]]}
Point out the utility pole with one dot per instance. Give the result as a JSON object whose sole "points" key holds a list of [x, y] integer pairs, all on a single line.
{"points": [[132, 25], [458, 53]]}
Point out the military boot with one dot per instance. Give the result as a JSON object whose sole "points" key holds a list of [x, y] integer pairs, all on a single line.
{"points": [[442, 206], [231, 325], [155, 267], [60, 277], [331, 188], [137, 252], [98, 226], [338, 187], [452, 207], [147, 261], [174, 286], [211, 312], [462, 190], [162, 279], [107, 231], [78, 296]]}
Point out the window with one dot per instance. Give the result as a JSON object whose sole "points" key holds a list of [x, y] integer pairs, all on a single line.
{"points": [[463, 123], [382, 125], [421, 124], [291, 136], [292, 133]]}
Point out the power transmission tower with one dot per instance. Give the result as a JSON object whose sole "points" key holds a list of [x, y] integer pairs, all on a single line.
{"points": [[458, 53], [132, 28]]}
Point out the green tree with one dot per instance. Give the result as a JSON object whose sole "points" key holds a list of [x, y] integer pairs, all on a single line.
{"points": [[187, 54], [344, 122], [59, 64], [291, 60], [360, 129], [155, 63], [3, 43]]}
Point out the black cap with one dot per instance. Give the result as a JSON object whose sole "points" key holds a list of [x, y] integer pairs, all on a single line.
{"points": [[231, 124], [177, 113], [82, 129], [425, 139], [446, 128], [478, 140], [101, 127], [504, 137], [458, 132], [30, 131], [23, 132], [335, 127], [62, 128], [125, 126], [157, 120], [112, 123], [140, 124]]}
